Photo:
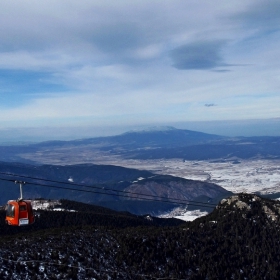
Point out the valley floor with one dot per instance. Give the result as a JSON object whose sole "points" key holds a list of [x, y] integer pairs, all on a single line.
{"points": [[235, 176]]}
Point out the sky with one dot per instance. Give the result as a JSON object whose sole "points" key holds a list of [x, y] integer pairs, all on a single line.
{"points": [[73, 68]]}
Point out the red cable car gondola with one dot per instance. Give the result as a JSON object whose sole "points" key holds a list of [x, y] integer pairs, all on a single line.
{"points": [[19, 212]]}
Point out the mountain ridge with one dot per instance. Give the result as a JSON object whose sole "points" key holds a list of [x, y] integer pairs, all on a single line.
{"points": [[170, 143]]}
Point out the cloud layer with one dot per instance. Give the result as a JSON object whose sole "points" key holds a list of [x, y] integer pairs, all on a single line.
{"points": [[198, 55], [140, 62]]}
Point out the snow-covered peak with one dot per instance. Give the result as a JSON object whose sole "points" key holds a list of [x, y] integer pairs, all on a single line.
{"points": [[153, 129]]}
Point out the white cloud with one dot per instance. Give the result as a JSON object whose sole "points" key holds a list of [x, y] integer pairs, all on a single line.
{"points": [[114, 59]]}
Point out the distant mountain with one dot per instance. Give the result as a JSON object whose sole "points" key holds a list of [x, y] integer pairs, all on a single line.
{"points": [[238, 240], [152, 144], [118, 188], [116, 145], [161, 138], [153, 138], [229, 148]]}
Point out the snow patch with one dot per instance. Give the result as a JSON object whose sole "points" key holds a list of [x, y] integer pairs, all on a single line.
{"points": [[183, 214], [138, 179]]}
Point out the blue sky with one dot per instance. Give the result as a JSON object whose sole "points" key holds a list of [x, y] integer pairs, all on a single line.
{"points": [[113, 65]]}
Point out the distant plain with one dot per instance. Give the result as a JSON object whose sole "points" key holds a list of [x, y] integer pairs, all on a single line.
{"points": [[244, 175]]}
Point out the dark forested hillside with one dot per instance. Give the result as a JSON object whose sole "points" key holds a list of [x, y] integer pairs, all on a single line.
{"points": [[81, 214], [80, 173], [118, 188], [238, 240]]}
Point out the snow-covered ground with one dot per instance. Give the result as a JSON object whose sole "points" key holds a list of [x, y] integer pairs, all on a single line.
{"points": [[43, 204], [245, 176], [236, 175], [48, 205], [183, 214]]}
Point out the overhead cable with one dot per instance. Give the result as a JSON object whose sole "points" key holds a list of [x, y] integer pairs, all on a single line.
{"points": [[102, 191]]}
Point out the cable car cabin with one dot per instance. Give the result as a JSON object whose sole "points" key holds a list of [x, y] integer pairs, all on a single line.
{"points": [[19, 213]]}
